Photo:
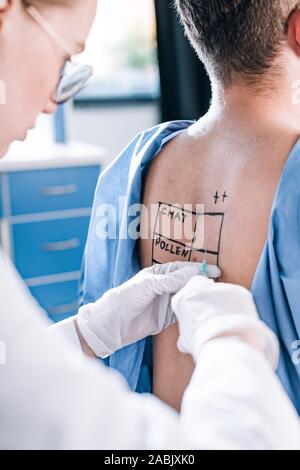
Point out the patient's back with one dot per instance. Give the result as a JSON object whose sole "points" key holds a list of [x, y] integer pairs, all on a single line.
{"points": [[235, 183]]}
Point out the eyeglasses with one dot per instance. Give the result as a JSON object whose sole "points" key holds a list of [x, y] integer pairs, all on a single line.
{"points": [[73, 76]]}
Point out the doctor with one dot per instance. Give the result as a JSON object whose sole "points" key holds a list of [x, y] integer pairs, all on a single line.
{"points": [[54, 397]]}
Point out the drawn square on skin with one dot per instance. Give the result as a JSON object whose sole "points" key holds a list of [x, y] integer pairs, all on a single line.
{"points": [[175, 223], [207, 234], [193, 243]]}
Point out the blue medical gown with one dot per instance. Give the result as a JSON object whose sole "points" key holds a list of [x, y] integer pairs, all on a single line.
{"points": [[110, 261]]}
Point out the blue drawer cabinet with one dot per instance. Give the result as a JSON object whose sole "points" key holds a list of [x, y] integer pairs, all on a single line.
{"points": [[50, 247], [45, 207], [59, 300], [52, 190]]}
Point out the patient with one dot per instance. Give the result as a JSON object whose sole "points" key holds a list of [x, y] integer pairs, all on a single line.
{"points": [[232, 179], [232, 159]]}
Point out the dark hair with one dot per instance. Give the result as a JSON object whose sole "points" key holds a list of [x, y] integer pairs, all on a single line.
{"points": [[236, 36]]}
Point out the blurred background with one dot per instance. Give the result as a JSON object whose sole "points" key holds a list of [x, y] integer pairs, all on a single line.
{"points": [[145, 72]]}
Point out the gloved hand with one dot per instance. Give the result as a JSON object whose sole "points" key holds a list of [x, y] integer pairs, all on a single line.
{"points": [[137, 309], [207, 310]]}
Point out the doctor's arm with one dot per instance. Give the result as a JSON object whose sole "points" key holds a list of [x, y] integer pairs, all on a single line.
{"points": [[234, 400], [126, 314], [52, 397]]}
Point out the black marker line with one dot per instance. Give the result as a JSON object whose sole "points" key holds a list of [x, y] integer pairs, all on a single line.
{"points": [[224, 196], [202, 250], [191, 212], [214, 214], [194, 238], [159, 204], [220, 236]]}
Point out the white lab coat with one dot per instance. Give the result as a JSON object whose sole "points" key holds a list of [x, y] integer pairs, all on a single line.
{"points": [[52, 397]]}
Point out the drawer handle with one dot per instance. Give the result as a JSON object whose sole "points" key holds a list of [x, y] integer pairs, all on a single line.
{"points": [[59, 190], [62, 246], [62, 309]]}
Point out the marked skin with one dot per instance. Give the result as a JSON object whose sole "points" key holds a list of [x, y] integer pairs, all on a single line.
{"points": [[180, 232], [234, 172]]}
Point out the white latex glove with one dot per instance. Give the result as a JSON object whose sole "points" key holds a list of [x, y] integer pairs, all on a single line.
{"points": [[139, 308], [206, 310]]}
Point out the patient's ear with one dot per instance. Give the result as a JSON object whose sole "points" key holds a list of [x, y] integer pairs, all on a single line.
{"points": [[5, 6], [293, 31]]}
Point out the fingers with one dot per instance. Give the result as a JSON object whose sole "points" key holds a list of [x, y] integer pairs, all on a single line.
{"points": [[213, 271], [197, 287], [217, 297], [172, 282], [167, 268]]}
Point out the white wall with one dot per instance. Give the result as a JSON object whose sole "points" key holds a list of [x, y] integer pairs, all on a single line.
{"points": [[111, 127]]}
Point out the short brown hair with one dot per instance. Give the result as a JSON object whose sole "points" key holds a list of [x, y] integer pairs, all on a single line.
{"points": [[236, 36]]}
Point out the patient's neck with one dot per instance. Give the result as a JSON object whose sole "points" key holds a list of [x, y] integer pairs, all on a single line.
{"points": [[242, 112]]}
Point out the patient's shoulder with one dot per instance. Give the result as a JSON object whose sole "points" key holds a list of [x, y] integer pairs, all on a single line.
{"points": [[142, 149]]}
